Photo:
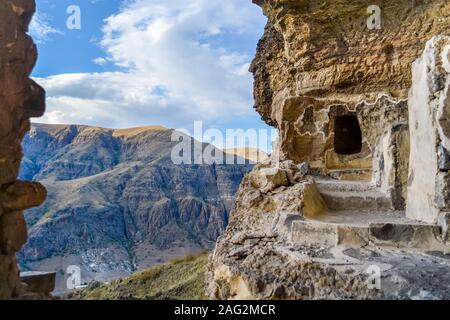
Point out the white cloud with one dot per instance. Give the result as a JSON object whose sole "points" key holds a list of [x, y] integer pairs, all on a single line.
{"points": [[182, 60], [100, 61], [40, 28]]}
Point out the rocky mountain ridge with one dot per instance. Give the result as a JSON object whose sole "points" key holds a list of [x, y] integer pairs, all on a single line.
{"points": [[117, 203]]}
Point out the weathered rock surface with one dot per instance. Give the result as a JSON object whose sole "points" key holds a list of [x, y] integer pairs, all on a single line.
{"points": [[116, 201], [326, 214], [283, 242], [325, 50], [429, 106], [321, 56], [20, 99]]}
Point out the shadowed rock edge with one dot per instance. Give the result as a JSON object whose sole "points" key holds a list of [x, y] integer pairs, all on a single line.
{"points": [[20, 99]]}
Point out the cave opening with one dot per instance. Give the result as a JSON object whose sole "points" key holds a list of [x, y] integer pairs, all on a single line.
{"points": [[347, 135]]}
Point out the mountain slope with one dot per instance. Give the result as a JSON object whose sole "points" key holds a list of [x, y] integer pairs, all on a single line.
{"points": [[117, 203], [181, 279], [253, 154]]}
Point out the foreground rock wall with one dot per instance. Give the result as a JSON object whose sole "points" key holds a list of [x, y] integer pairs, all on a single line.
{"points": [[325, 49], [316, 66], [319, 65], [264, 255], [20, 99], [319, 61], [429, 109]]}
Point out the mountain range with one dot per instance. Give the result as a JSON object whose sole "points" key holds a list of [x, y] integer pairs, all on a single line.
{"points": [[117, 203]]}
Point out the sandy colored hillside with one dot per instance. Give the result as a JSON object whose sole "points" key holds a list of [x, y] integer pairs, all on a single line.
{"points": [[253, 154]]}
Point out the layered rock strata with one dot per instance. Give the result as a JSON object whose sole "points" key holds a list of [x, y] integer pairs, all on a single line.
{"points": [[20, 99], [429, 111], [353, 202]]}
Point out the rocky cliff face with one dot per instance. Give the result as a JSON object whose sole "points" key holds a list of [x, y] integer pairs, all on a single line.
{"points": [[116, 201], [351, 181], [324, 57], [325, 50], [20, 99]]}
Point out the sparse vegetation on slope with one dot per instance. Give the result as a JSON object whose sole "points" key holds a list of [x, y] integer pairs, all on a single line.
{"points": [[181, 279]]}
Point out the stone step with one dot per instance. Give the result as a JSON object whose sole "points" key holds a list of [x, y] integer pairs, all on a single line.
{"points": [[352, 174], [344, 186], [361, 229], [371, 200], [328, 234]]}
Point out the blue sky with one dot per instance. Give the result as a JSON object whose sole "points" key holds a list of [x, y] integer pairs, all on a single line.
{"points": [[71, 51], [145, 62]]}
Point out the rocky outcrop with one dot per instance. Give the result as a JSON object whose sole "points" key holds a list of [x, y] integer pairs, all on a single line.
{"points": [[281, 244], [323, 57], [352, 204], [429, 107], [20, 99], [325, 50], [116, 201]]}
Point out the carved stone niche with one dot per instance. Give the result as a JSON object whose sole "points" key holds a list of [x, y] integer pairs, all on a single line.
{"points": [[349, 141]]}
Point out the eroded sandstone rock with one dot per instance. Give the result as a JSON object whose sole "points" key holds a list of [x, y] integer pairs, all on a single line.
{"points": [[429, 111], [340, 96], [318, 63], [20, 99]]}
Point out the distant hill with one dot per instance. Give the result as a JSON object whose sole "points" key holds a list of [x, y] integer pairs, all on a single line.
{"points": [[255, 155], [116, 201]]}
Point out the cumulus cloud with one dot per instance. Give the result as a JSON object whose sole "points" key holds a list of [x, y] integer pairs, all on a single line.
{"points": [[109, 99], [182, 61]]}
